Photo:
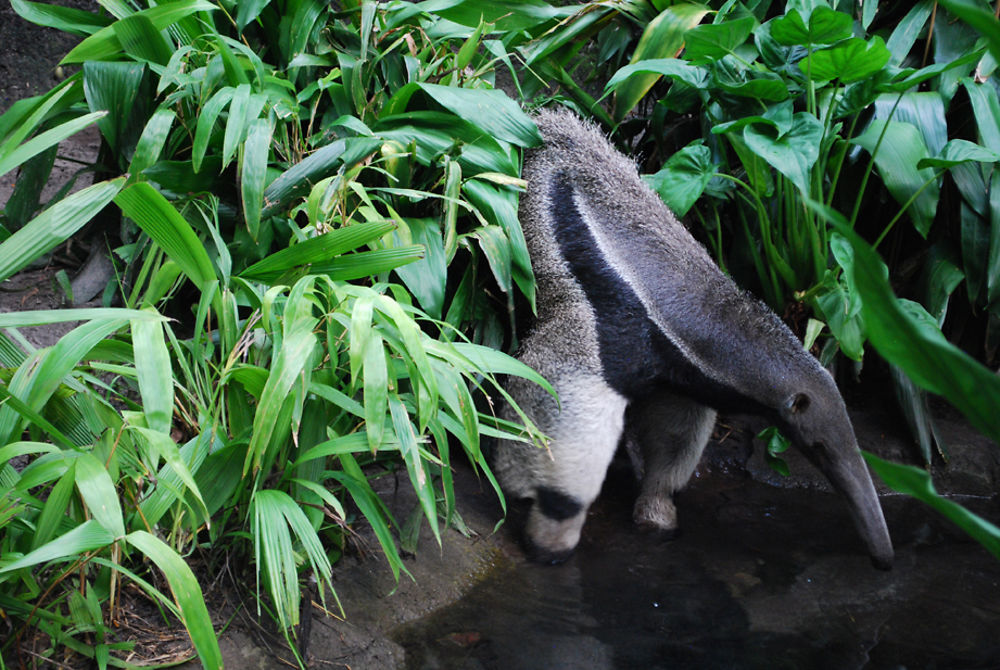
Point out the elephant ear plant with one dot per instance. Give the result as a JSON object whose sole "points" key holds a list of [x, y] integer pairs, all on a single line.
{"points": [[312, 213]]}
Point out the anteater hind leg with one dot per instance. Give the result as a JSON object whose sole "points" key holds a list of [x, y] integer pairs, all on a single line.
{"points": [[671, 432]]}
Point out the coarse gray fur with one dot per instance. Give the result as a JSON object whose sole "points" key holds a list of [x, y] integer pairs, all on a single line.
{"points": [[725, 349]]}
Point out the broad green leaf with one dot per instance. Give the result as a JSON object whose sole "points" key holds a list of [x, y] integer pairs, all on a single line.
{"points": [[674, 68], [916, 482], [88, 536], [908, 30], [794, 153], [826, 26], [986, 108], [163, 223], [975, 245], [247, 12], [54, 226], [499, 207], [993, 259], [849, 61], [662, 38], [66, 19], [834, 302], [513, 16], [684, 177], [496, 247], [187, 595], [957, 152], [140, 39], [113, 87], [489, 109], [710, 42], [896, 158], [919, 349], [977, 16], [437, 133], [98, 492], [924, 110], [104, 44], [425, 279], [150, 145], [941, 275]]}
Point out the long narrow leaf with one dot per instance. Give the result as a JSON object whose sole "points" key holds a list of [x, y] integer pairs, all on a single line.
{"points": [[54, 226], [88, 536], [163, 223], [187, 594]]}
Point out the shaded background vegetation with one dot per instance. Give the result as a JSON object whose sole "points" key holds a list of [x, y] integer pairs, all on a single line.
{"points": [[311, 214]]}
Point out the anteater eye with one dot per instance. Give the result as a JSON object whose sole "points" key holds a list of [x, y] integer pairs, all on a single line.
{"points": [[800, 403]]}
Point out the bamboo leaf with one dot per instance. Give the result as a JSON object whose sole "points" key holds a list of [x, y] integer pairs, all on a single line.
{"points": [[88, 536], [46, 317], [297, 344], [165, 226], [36, 145], [65, 19], [187, 595], [254, 172], [39, 376], [150, 145], [156, 379], [98, 492], [55, 225]]}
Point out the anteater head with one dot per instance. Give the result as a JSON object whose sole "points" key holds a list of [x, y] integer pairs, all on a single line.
{"points": [[815, 419]]}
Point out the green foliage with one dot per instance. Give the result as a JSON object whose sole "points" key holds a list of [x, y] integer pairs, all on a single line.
{"points": [[324, 202]]}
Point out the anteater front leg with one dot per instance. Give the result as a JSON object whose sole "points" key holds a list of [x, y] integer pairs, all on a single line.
{"points": [[562, 482], [671, 432]]}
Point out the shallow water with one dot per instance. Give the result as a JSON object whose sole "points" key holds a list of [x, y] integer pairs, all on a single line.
{"points": [[760, 577]]}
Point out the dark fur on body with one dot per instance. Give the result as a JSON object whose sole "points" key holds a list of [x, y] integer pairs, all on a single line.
{"points": [[633, 313]]}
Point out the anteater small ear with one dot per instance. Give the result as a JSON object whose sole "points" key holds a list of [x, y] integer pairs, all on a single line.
{"points": [[798, 403]]}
